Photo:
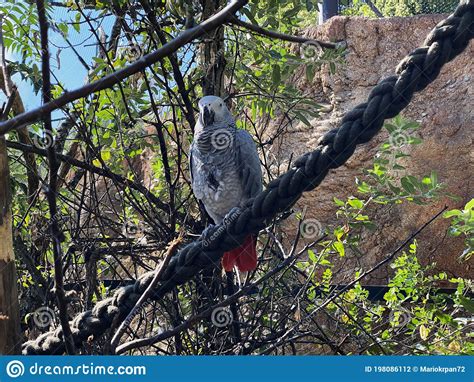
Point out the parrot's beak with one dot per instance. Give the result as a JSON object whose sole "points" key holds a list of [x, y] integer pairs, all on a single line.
{"points": [[208, 116]]}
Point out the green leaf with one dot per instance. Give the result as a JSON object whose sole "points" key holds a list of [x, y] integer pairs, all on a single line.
{"points": [[291, 12], [396, 190], [424, 332], [369, 225], [414, 181], [356, 203], [76, 25], [310, 72], [410, 125], [426, 181], [467, 303], [390, 128], [414, 141], [469, 205], [443, 317], [406, 184], [364, 188], [105, 155], [302, 118], [339, 247], [451, 213], [339, 232], [63, 28], [276, 75]]}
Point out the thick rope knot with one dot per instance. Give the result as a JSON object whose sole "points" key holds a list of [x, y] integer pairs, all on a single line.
{"points": [[447, 40]]}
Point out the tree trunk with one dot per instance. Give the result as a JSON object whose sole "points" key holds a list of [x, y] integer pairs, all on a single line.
{"points": [[7, 86], [9, 306], [212, 53]]}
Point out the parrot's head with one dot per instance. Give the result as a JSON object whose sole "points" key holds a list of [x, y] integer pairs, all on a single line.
{"points": [[212, 109]]}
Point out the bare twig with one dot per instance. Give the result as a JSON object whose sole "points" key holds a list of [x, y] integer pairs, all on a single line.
{"points": [[374, 8], [53, 179], [280, 36], [174, 64], [149, 290], [95, 170], [338, 292], [207, 312], [6, 109]]}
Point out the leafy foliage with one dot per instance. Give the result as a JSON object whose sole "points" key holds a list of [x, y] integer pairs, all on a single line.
{"points": [[131, 195], [414, 316], [390, 8], [462, 224], [389, 181]]}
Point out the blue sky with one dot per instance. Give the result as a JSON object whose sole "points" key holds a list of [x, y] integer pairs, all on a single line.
{"points": [[69, 71]]}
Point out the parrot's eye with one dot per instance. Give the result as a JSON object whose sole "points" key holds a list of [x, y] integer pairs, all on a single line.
{"points": [[220, 105]]}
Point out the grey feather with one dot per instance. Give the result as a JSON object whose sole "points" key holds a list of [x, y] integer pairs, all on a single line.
{"points": [[250, 170], [225, 167]]}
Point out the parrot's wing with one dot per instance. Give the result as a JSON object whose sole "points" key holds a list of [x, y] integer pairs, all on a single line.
{"points": [[250, 171], [196, 176], [197, 194], [190, 163]]}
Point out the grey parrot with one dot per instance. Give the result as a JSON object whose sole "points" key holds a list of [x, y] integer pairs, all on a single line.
{"points": [[225, 172]]}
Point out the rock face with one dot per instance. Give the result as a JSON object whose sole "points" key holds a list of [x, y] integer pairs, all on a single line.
{"points": [[444, 110]]}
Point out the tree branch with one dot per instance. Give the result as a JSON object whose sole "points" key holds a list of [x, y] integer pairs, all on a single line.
{"points": [[8, 106], [114, 78], [189, 112], [280, 36], [53, 181], [374, 8], [207, 312], [338, 292], [172, 248], [93, 169]]}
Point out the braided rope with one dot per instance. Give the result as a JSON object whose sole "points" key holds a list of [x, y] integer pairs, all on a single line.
{"points": [[447, 40]]}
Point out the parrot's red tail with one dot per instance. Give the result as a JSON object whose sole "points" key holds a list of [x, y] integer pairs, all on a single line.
{"points": [[245, 256]]}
